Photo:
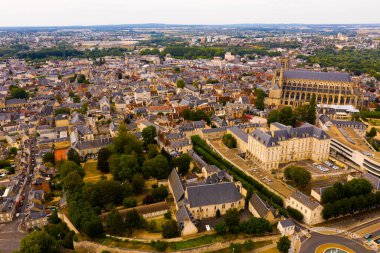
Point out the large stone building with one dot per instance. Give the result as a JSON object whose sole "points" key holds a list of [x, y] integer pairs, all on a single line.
{"points": [[285, 144], [295, 87]]}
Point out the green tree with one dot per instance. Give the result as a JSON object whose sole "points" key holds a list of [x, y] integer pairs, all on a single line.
{"points": [[231, 218], [183, 163], [229, 141], [180, 83], [129, 202], [103, 156], [72, 182], [273, 116], [294, 213], [48, 158], [115, 223], [138, 183], [157, 167], [170, 229], [312, 112], [69, 166], [160, 193], [260, 98], [372, 133], [73, 155], [255, 226], [283, 245], [287, 117], [221, 227], [18, 93], [38, 241], [149, 134], [298, 176], [132, 220]]}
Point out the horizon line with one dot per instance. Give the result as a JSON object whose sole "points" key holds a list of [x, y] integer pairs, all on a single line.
{"points": [[183, 24]]}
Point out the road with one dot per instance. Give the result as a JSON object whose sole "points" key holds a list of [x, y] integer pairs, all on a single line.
{"points": [[316, 239], [11, 233], [10, 236]]}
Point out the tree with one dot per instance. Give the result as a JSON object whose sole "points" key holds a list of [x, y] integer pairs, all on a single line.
{"points": [[372, 133], [159, 193], [287, 117], [294, 213], [149, 134], [73, 155], [128, 167], [132, 220], [138, 183], [283, 245], [170, 229], [312, 112], [298, 176], [157, 167], [180, 83], [92, 226], [183, 163], [273, 116], [231, 218], [255, 226], [153, 151], [38, 241], [115, 223], [103, 156], [129, 202], [229, 141], [72, 182], [221, 227], [260, 97], [69, 166], [18, 93], [48, 158]]}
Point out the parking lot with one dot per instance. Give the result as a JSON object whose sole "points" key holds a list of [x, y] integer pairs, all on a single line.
{"points": [[321, 169]]}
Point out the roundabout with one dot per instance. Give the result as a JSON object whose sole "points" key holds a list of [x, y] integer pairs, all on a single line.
{"points": [[320, 243]]}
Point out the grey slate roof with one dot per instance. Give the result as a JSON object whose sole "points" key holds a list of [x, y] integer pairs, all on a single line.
{"points": [[176, 185], [304, 131], [213, 194], [310, 75], [287, 223], [261, 206], [239, 133], [305, 200]]}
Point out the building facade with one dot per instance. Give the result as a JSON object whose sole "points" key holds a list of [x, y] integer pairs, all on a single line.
{"points": [[285, 144], [295, 87]]}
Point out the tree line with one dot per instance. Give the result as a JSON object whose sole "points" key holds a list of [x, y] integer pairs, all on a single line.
{"points": [[354, 196]]}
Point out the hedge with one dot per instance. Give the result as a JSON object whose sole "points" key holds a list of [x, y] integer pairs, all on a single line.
{"points": [[211, 157], [294, 213]]}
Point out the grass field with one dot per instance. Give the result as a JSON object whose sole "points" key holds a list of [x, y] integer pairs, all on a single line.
{"points": [[256, 245], [93, 175]]}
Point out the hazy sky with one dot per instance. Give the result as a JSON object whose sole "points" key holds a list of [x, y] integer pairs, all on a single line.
{"points": [[103, 12]]}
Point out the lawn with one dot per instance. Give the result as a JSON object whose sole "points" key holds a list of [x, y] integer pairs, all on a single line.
{"points": [[93, 175], [256, 245]]}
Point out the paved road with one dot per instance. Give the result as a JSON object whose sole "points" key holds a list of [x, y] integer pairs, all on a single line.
{"points": [[316, 239], [360, 227], [10, 236]]}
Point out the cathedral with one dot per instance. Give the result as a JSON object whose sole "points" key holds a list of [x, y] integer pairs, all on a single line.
{"points": [[295, 87]]}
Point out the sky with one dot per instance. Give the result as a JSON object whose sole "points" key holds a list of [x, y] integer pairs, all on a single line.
{"points": [[107, 12]]}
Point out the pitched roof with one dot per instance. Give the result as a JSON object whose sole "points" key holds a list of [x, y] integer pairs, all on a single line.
{"points": [[176, 185], [305, 200], [310, 75], [213, 194], [261, 206]]}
